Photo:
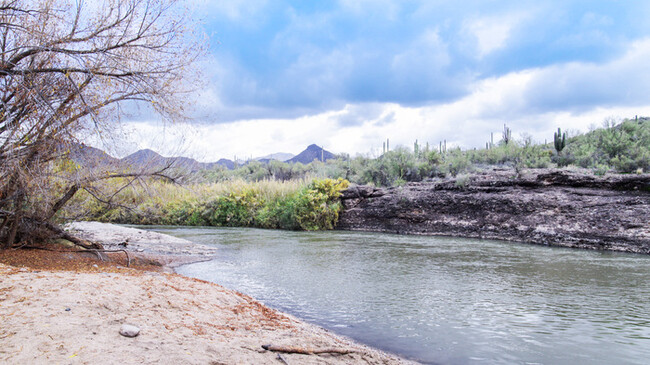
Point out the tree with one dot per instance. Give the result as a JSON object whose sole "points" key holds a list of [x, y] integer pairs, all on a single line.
{"points": [[74, 69]]}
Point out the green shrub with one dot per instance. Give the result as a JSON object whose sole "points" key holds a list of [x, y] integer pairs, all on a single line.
{"points": [[317, 206], [237, 209], [456, 162]]}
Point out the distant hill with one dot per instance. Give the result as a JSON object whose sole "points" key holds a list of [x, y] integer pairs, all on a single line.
{"points": [[149, 159], [91, 156], [313, 152], [224, 162], [280, 156], [144, 157]]}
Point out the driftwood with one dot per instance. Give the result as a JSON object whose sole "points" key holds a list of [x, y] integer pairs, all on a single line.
{"points": [[77, 241], [303, 351], [48, 229]]}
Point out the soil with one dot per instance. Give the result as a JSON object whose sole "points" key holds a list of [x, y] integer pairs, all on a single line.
{"points": [[68, 307]]}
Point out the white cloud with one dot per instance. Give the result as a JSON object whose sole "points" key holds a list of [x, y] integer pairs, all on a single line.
{"points": [[581, 85], [492, 33], [535, 101], [428, 51]]}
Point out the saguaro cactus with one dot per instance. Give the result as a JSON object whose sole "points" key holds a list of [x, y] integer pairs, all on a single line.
{"points": [[560, 140], [507, 135]]}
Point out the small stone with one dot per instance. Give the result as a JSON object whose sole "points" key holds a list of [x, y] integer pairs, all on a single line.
{"points": [[129, 330]]}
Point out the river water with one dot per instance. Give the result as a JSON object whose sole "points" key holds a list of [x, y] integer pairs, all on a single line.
{"points": [[443, 300]]}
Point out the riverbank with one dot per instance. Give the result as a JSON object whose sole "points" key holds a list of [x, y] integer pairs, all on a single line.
{"points": [[58, 307], [548, 207]]}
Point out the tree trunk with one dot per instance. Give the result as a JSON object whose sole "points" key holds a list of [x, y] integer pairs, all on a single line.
{"points": [[18, 216], [59, 204]]}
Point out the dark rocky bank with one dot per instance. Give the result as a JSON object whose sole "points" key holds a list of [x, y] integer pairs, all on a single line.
{"points": [[548, 207]]}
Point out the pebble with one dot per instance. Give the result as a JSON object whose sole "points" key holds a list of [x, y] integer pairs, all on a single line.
{"points": [[129, 330]]}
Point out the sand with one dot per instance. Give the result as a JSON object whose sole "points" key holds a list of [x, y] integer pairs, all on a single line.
{"points": [[70, 310]]}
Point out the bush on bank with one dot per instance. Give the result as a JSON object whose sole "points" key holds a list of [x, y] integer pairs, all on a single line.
{"points": [[306, 206]]}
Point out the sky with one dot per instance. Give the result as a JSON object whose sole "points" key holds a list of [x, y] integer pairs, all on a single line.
{"points": [[349, 74]]}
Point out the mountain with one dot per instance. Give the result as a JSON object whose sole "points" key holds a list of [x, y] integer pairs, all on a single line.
{"points": [[313, 152], [90, 156], [149, 158], [280, 156], [224, 162], [145, 157]]}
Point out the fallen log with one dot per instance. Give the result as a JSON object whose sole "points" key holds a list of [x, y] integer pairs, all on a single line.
{"points": [[303, 351]]}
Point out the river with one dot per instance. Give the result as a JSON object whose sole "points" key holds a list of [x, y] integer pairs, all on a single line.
{"points": [[443, 300]]}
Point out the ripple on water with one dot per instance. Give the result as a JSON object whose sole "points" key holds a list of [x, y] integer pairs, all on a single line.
{"points": [[444, 300]]}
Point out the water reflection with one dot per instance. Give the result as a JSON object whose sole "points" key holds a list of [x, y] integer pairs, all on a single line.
{"points": [[444, 300]]}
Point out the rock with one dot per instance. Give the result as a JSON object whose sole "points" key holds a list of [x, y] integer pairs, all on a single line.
{"points": [[544, 207], [129, 330]]}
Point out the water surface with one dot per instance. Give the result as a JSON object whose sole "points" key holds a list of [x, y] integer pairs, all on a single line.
{"points": [[443, 300]]}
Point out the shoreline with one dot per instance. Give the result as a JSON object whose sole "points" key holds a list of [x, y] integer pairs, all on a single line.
{"points": [[551, 208], [73, 315]]}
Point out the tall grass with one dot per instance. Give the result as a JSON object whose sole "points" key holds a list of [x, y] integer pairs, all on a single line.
{"points": [[294, 204]]}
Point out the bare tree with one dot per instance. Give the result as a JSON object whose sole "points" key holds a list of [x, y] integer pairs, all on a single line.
{"points": [[68, 69]]}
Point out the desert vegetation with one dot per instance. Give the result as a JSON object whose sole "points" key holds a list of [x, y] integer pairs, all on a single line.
{"points": [[292, 205], [304, 197], [622, 147]]}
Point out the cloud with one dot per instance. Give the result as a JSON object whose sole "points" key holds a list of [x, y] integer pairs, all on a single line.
{"points": [[535, 101], [364, 66], [233, 10], [582, 85], [358, 114], [492, 33]]}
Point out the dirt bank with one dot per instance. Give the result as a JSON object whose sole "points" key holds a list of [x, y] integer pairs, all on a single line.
{"points": [[546, 207], [69, 307]]}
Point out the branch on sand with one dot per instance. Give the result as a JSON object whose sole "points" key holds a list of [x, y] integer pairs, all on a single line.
{"points": [[307, 351]]}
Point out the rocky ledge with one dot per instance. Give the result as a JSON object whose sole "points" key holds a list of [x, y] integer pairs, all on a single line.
{"points": [[549, 207]]}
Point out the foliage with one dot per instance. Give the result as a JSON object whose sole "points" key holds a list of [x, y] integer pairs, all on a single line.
{"points": [[317, 206], [621, 148], [624, 147], [267, 204]]}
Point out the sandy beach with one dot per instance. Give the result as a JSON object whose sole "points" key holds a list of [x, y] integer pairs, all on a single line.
{"points": [[67, 308]]}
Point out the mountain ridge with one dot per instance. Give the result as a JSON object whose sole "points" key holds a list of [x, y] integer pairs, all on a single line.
{"points": [[311, 153], [91, 156]]}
